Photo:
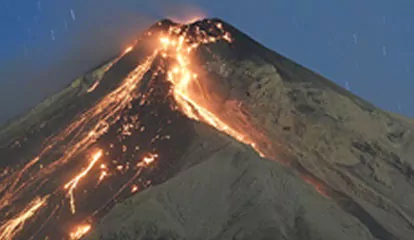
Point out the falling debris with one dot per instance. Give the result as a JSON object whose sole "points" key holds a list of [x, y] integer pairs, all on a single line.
{"points": [[72, 14], [39, 6], [355, 37], [399, 107], [52, 34], [384, 50]]}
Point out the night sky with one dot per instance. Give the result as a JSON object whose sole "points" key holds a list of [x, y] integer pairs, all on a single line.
{"points": [[365, 46]]}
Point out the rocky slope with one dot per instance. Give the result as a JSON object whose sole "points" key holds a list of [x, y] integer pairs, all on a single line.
{"points": [[231, 194]]}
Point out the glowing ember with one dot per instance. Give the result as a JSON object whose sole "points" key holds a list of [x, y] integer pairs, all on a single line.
{"points": [[102, 176], [80, 231], [13, 226], [74, 182], [93, 87], [147, 160], [128, 49], [134, 188]]}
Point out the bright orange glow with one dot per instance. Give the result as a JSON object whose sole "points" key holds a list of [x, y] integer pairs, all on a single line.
{"points": [[134, 188], [319, 186], [13, 226], [128, 49], [74, 182], [150, 159], [80, 231], [93, 87], [147, 160], [102, 176], [188, 15]]}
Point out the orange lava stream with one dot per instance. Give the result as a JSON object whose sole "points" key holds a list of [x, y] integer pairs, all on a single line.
{"points": [[80, 231], [12, 227], [178, 46], [147, 160], [81, 134], [95, 122], [70, 186]]}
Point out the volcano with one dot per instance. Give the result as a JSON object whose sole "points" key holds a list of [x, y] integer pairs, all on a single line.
{"points": [[196, 131]]}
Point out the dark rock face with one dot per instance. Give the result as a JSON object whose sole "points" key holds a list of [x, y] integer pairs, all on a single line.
{"points": [[340, 168]]}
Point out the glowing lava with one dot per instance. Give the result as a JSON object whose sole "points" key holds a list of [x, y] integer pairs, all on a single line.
{"points": [[147, 160], [70, 186], [179, 45], [12, 227], [80, 231]]}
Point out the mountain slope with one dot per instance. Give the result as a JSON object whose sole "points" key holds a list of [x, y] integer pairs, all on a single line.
{"points": [[231, 194], [199, 132], [360, 156]]}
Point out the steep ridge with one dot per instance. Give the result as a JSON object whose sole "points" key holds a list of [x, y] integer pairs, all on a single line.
{"points": [[271, 149]]}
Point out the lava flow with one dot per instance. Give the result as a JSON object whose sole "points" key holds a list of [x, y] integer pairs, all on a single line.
{"points": [[80, 231], [70, 186], [16, 224], [113, 132], [179, 44]]}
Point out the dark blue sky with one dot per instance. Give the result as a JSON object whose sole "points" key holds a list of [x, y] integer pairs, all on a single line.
{"points": [[366, 45]]}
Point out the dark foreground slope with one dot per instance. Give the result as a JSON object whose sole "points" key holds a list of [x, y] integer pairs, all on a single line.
{"points": [[358, 157], [318, 163]]}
